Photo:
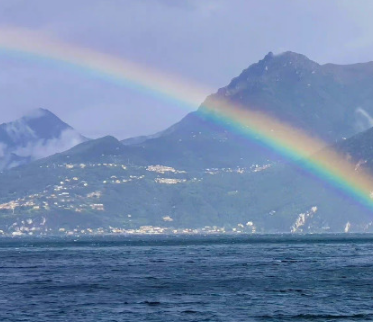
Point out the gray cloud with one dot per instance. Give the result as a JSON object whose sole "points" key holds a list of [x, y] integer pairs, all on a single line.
{"points": [[207, 42]]}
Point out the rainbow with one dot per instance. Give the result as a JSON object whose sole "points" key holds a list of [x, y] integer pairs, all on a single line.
{"points": [[287, 141]]}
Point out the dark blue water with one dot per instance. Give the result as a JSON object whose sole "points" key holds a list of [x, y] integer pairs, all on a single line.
{"points": [[259, 278]]}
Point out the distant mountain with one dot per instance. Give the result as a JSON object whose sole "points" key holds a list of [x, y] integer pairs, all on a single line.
{"points": [[136, 140], [330, 102], [198, 174], [93, 186], [141, 139], [34, 136]]}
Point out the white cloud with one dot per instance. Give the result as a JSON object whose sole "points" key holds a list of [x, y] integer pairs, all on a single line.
{"points": [[3, 148], [19, 130], [363, 119], [41, 148], [35, 113]]}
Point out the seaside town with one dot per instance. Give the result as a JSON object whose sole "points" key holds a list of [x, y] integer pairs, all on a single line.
{"points": [[74, 193], [28, 229], [69, 192]]}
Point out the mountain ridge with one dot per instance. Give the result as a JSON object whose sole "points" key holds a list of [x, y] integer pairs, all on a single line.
{"points": [[321, 100], [197, 173], [104, 190]]}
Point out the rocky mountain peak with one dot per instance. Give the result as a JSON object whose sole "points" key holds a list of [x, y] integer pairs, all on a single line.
{"points": [[272, 70], [272, 65]]}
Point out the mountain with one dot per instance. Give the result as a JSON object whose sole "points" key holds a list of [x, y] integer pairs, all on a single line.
{"points": [[141, 139], [93, 187], [34, 136], [330, 102], [198, 173]]}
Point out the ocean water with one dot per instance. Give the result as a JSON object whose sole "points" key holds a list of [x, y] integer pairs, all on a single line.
{"points": [[195, 278]]}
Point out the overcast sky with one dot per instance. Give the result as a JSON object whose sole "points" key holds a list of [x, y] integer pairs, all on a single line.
{"points": [[203, 41]]}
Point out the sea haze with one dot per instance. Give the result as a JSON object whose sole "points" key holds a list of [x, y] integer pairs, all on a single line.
{"points": [[188, 278]]}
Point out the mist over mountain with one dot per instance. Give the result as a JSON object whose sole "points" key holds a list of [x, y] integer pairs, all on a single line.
{"points": [[35, 136], [197, 173]]}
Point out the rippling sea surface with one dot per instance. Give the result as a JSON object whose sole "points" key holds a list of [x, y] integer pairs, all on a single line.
{"points": [[204, 278]]}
